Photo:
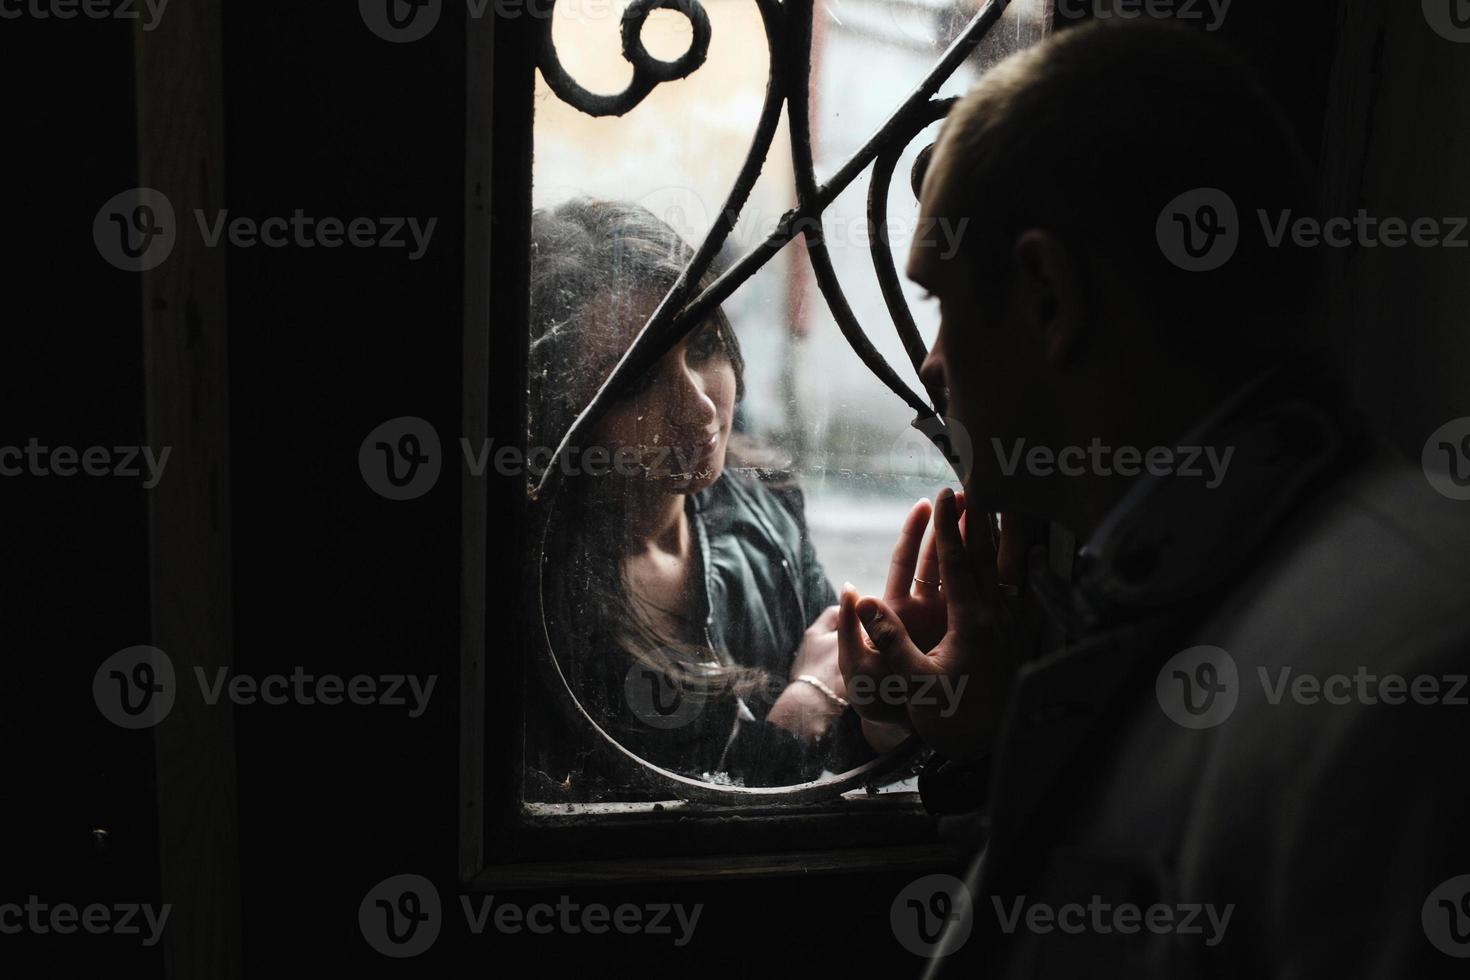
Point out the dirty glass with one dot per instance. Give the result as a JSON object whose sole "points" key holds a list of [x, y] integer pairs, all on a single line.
{"points": [[701, 528]]}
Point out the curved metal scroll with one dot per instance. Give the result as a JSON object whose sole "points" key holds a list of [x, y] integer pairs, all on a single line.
{"points": [[648, 71], [798, 112], [883, 267]]}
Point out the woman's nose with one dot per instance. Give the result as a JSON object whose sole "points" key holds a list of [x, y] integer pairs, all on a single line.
{"points": [[691, 404]]}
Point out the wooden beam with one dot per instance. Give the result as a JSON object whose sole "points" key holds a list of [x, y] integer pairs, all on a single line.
{"points": [[181, 154], [475, 422]]}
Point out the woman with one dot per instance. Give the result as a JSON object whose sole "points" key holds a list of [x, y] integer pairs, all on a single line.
{"points": [[685, 603]]}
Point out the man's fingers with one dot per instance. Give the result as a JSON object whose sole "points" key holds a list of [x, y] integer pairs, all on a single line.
{"points": [[906, 551], [980, 545], [960, 586], [891, 639], [854, 652], [864, 666], [1011, 560], [927, 575]]}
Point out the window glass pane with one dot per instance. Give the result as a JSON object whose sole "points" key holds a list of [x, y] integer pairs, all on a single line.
{"points": [[714, 510]]}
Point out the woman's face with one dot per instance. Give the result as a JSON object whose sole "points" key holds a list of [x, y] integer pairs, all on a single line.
{"points": [[677, 418]]}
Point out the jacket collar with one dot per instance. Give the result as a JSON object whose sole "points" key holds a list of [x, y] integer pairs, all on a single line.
{"points": [[1152, 571], [1174, 538]]}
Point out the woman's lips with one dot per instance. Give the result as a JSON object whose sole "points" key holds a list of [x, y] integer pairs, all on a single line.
{"points": [[710, 446], [702, 452]]}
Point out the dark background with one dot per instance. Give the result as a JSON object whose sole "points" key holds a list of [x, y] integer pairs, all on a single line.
{"points": [[323, 346]]}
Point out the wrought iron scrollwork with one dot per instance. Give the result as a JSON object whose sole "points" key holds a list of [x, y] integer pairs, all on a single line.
{"points": [[648, 71], [878, 245], [788, 27]]}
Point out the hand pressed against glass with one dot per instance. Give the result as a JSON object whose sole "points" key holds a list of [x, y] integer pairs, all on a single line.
{"points": [[803, 707], [950, 629]]}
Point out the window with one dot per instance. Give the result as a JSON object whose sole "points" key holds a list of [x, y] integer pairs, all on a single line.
{"points": [[728, 423]]}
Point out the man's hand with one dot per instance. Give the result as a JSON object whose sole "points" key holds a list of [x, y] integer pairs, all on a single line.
{"points": [[912, 590], [971, 662]]}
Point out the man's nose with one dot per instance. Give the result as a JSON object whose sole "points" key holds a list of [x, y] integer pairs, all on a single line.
{"points": [[931, 372]]}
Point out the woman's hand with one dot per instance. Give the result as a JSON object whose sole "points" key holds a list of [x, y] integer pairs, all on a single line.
{"points": [[817, 654], [802, 708]]}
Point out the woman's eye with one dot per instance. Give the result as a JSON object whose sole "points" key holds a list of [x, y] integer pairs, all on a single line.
{"points": [[705, 344], [637, 387]]}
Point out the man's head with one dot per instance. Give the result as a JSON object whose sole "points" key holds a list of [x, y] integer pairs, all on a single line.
{"points": [[1064, 314]]}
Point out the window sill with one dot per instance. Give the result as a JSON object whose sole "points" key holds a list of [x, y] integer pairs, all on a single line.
{"points": [[913, 858]]}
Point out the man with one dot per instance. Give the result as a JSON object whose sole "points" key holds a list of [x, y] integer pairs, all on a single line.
{"points": [[1224, 770]]}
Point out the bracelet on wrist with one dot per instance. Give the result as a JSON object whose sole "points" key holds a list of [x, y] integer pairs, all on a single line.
{"points": [[830, 694]]}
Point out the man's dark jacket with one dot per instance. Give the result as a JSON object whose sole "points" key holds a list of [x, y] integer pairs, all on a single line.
{"points": [[1219, 748]]}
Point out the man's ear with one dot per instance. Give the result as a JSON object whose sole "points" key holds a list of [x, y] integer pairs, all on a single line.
{"points": [[1049, 293]]}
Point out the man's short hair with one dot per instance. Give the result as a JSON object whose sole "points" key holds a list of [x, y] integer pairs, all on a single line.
{"points": [[1091, 133]]}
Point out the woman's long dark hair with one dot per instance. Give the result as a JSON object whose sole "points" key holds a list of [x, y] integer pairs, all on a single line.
{"points": [[610, 253]]}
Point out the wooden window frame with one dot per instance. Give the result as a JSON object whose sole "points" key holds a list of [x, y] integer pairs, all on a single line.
{"points": [[503, 842]]}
